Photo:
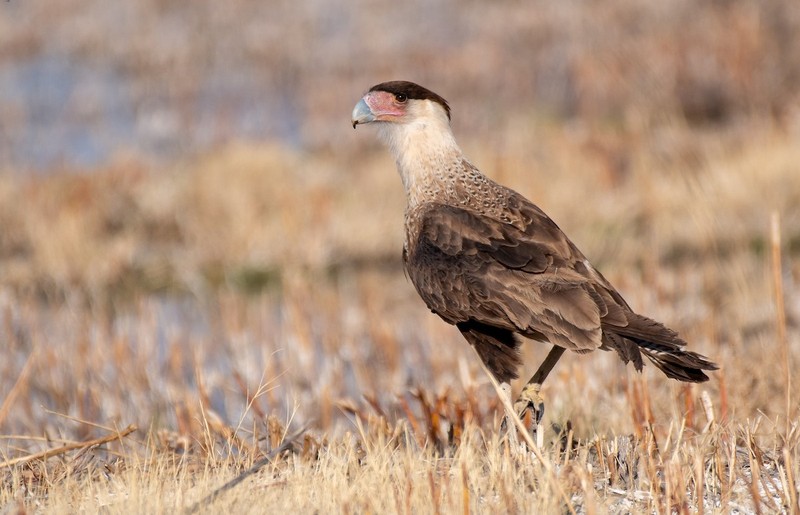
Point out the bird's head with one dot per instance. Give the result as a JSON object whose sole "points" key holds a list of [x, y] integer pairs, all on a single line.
{"points": [[399, 102]]}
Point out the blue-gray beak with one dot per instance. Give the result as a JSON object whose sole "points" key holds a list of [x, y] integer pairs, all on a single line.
{"points": [[362, 113]]}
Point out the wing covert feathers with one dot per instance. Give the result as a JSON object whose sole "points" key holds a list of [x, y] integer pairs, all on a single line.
{"points": [[497, 278]]}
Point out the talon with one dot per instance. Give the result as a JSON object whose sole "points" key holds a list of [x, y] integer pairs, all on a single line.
{"points": [[530, 406]]}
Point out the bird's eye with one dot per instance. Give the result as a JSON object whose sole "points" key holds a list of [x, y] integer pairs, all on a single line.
{"points": [[401, 97]]}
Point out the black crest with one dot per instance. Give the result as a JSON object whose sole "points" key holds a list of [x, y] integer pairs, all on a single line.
{"points": [[412, 91]]}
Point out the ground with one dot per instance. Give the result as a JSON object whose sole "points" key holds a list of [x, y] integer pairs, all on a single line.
{"points": [[200, 259], [310, 324]]}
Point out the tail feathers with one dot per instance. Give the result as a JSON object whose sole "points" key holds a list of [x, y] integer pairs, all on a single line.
{"points": [[628, 350], [677, 363], [647, 329], [661, 345]]}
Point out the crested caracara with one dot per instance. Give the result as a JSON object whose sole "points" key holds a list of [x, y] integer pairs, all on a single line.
{"points": [[487, 260]]}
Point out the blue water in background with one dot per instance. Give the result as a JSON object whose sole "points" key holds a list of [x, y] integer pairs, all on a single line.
{"points": [[61, 111], [48, 131], [83, 81]]}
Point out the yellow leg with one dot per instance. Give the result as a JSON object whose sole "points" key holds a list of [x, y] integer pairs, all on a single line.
{"points": [[530, 404]]}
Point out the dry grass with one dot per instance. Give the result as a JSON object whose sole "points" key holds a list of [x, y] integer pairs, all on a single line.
{"points": [[723, 467], [164, 325], [383, 468], [238, 334]]}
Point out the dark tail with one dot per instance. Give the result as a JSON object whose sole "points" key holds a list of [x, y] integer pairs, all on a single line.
{"points": [[661, 345]]}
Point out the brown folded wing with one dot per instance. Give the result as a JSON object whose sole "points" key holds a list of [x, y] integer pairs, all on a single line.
{"points": [[494, 279]]}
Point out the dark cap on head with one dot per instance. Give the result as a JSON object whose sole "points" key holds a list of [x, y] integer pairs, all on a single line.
{"points": [[411, 91]]}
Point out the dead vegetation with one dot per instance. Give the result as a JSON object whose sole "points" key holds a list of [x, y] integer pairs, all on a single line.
{"points": [[223, 353], [167, 326]]}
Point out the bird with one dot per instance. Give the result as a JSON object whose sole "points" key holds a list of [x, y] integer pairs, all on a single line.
{"points": [[489, 261]]}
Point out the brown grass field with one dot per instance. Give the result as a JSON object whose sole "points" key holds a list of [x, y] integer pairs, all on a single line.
{"points": [[168, 322]]}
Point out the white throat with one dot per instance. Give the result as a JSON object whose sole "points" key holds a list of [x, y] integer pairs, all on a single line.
{"points": [[424, 149]]}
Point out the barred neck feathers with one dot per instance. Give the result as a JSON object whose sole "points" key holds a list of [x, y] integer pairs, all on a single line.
{"points": [[426, 153]]}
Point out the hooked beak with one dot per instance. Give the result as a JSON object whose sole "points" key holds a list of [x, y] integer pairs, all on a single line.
{"points": [[362, 113]]}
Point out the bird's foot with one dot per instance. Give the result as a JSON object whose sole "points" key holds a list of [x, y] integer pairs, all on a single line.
{"points": [[529, 407]]}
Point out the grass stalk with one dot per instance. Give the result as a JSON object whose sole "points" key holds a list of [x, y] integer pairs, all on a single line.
{"points": [[780, 311]]}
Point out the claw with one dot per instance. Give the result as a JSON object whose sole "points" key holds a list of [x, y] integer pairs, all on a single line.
{"points": [[530, 410], [530, 406]]}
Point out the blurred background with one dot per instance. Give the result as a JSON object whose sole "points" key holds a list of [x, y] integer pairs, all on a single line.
{"points": [[84, 82], [188, 220]]}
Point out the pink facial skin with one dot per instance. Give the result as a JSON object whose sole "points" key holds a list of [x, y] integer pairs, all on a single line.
{"points": [[384, 106]]}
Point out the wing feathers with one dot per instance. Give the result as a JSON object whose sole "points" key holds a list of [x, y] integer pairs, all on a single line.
{"points": [[493, 279], [454, 230]]}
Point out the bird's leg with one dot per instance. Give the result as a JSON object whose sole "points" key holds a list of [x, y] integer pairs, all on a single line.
{"points": [[530, 404]]}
